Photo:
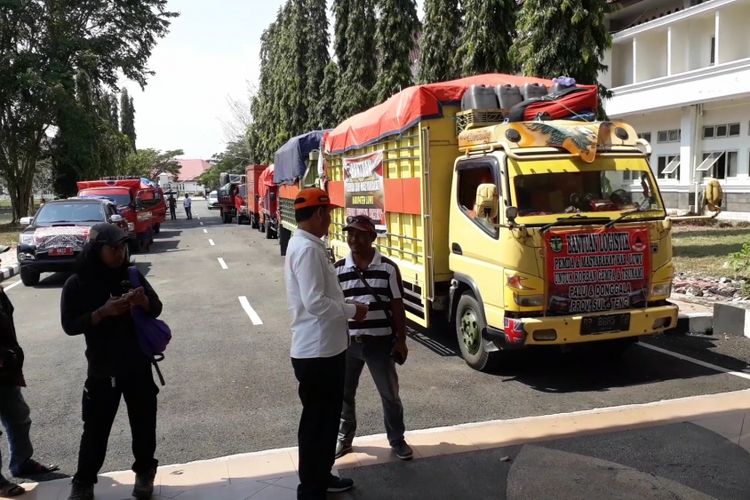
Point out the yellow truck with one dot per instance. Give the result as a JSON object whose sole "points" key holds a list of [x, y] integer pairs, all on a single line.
{"points": [[517, 233]]}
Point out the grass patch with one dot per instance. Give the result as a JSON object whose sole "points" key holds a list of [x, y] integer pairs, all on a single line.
{"points": [[9, 234], [705, 251]]}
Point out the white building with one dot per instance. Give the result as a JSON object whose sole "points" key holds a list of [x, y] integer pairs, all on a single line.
{"points": [[680, 73], [187, 180]]}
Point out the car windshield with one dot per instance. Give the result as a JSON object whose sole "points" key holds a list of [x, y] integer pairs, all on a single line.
{"points": [[213, 195], [544, 192], [72, 212], [121, 200]]}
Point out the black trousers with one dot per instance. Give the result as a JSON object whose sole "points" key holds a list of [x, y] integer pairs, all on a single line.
{"points": [[321, 391], [101, 398], [172, 213]]}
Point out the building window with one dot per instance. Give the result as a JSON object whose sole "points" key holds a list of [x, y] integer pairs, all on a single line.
{"points": [[734, 129], [721, 130], [708, 132], [668, 167], [718, 164], [645, 135], [673, 135], [713, 49]]}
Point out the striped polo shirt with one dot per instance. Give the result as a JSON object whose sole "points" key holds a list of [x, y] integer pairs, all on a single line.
{"points": [[384, 278]]}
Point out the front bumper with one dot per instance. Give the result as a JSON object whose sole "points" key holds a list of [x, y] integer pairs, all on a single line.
{"points": [[50, 264], [568, 328]]}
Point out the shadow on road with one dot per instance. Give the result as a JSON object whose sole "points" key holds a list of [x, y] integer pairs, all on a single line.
{"points": [[160, 246], [172, 233]]}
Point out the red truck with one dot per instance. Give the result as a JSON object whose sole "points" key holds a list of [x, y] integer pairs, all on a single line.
{"points": [[247, 199], [139, 201], [268, 204], [227, 193]]}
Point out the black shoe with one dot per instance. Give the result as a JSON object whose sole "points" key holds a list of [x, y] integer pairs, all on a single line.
{"points": [[338, 484], [342, 449], [81, 491], [403, 451], [33, 468], [144, 484]]}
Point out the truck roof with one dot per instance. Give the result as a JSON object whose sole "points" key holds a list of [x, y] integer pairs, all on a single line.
{"points": [[542, 138]]}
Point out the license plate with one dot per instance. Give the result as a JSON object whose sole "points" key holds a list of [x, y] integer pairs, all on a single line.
{"points": [[60, 251], [605, 323]]}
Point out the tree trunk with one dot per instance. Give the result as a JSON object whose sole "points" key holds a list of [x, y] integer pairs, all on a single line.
{"points": [[21, 188]]}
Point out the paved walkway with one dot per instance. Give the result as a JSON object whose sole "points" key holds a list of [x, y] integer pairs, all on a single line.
{"points": [[690, 448]]}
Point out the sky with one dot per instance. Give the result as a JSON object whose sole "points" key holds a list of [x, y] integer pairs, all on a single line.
{"points": [[209, 56]]}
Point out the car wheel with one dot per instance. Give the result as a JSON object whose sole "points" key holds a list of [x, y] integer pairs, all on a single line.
{"points": [[469, 327], [157, 228], [29, 277]]}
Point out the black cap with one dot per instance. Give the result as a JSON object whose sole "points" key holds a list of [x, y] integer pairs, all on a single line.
{"points": [[360, 223], [107, 234]]}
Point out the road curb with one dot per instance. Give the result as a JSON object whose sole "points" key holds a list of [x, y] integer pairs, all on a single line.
{"points": [[732, 319], [9, 271], [697, 322]]}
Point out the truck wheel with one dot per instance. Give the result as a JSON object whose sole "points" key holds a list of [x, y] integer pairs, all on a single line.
{"points": [[269, 232], [221, 215], [469, 327], [227, 218], [284, 235], [262, 227], [239, 220], [29, 277], [254, 222], [157, 228]]}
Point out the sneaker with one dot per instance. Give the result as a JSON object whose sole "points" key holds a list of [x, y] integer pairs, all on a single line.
{"points": [[81, 491], [9, 489], [338, 484], [144, 484], [403, 451], [342, 449]]}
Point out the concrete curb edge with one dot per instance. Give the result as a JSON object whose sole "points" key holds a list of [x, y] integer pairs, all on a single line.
{"points": [[9, 271]]}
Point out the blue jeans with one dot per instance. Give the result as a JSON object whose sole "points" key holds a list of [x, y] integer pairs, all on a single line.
{"points": [[15, 415], [376, 354]]}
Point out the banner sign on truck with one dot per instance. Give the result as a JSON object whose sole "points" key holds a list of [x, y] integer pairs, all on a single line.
{"points": [[597, 271], [363, 188]]}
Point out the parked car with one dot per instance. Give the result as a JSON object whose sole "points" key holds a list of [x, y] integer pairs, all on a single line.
{"points": [[57, 233], [213, 200]]}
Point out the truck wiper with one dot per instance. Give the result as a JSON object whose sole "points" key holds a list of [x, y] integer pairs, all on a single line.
{"points": [[626, 214], [573, 219]]}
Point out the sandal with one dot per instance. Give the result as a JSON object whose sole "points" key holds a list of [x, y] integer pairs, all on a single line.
{"points": [[8, 489], [33, 468]]}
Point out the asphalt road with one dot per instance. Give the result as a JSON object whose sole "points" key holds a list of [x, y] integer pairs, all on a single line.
{"points": [[230, 387]]}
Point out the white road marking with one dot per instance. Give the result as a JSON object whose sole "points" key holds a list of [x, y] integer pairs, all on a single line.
{"points": [[12, 285], [211, 242], [698, 362], [223, 264], [205, 231], [250, 311]]}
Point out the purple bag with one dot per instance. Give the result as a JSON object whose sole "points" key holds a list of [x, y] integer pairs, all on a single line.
{"points": [[153, 334]]}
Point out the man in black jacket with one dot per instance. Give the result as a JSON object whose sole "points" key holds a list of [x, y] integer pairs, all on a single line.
{"points": [[97, 302], [13, 408]]}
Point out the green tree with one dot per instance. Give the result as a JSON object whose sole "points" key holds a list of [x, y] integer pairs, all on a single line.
{"points": [[317, 59], [340, 24], [562, 38], [439, 41], [149, 163], [324, 110], [43, 46], [127, 117], [358, 78], [487, 36], [397, 27], [295, 90]]}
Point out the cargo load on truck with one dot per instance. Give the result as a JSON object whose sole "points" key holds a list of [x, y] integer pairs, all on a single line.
{"points": [[544, 230], [295, 167]]}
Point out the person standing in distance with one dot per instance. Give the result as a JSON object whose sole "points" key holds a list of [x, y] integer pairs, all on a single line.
{"points": [[319, 340], [188, 205], [377, 341], [172, 207], [96, 302]]}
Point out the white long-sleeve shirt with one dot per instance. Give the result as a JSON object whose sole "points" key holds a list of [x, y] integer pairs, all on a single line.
{"points": [[315, 300], [187, 202]]}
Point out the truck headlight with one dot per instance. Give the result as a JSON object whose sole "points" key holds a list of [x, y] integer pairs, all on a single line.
{"points": [[661, 289], [529, 300], [26, 238]]}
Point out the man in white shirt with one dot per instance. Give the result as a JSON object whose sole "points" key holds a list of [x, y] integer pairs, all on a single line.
{"points": [[320, 338], [188, 204]]}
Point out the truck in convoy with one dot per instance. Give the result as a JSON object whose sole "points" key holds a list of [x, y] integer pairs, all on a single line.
{"points": [[138, 200], [295, 168], [268, 204], [247, 201], [230, 187], [514, 217]]}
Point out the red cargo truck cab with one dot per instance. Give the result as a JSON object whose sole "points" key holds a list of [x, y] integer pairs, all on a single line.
{"points": [[268, 203], [137, 203], [249, 207], [227, 194]]}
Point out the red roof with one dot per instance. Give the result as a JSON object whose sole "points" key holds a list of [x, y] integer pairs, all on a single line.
{"points": [[190, 169], [409, 107]]}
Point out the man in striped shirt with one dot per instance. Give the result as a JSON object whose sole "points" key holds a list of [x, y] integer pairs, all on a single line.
{"points": [[377, 341]]}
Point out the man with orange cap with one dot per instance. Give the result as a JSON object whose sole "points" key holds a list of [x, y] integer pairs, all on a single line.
{"points": [[320, 337]]}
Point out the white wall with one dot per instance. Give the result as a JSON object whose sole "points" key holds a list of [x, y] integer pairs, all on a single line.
{"points": [[651, 55], [730, 112], [622, 64], [699, 46], [734, 39]]}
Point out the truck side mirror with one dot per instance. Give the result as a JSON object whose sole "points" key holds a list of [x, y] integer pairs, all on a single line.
{"points": [[25, 221], [511, 213]]}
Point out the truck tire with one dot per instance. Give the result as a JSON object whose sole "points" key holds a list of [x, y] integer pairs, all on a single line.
{"points": [[284, 235], [254, 221], [227, 218], [262, 227], [269, 232], [29, 277], [221, 215], [469, 326]]}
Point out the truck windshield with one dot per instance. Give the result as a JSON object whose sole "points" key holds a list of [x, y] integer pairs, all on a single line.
{"points": [[542, 192]]}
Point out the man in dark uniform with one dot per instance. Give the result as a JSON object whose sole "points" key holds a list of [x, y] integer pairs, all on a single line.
{"points": [[172, 207]]}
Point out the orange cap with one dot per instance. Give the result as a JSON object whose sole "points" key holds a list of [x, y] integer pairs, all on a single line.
{"points": [[312, 197]]}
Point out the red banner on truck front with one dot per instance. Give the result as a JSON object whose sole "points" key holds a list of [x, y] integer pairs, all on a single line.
{"points": [[592, 271]]}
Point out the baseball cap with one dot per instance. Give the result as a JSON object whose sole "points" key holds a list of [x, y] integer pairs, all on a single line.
{"points": [[360, 223], [313, 197], [107, 234]]}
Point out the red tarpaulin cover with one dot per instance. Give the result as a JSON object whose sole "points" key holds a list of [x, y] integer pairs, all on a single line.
{"points": [[265, 181], [414, 104]]}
